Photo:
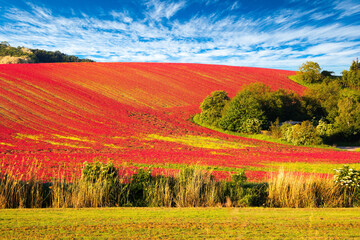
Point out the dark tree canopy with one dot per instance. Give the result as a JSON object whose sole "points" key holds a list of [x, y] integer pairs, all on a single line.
{"points": [[43, 56]]}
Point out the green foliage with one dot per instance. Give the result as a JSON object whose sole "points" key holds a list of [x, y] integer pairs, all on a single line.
{"points": [[351, 78], [305, 134], [325, 73], [256, 105], [43, 56], [310, 72], [339, 107], [99, 185], [243, 107], [283, 105], [233, 190], [325, 129], [7, 50], [348, 180], [251, 126], [254, 194], [212, 107], [275, 130], [98, 171], [37, 55], [301, 134], [322, 100], [138, 187], [247, 104], [348, 119]]}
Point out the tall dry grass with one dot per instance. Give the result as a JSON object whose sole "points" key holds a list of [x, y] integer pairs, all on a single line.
{"points": [[22, 190], [294, 190], [195, 187], [191, 187]]}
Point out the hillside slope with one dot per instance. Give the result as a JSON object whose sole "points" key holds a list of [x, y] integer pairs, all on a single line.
{"points": [[133, 112]]}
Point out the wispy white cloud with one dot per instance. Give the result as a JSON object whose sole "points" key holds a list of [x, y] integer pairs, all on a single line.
{"points": [[321, 16], [158, 9], [347, 7], [235, 5], [276, 40]]}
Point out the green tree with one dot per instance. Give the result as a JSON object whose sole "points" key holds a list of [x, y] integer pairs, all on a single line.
{"points": [[351, 78], [283, 105], [257, 105], [212, 107], [322, 100], [244, 106], [4, 43], [310, 72], [348, 120]]}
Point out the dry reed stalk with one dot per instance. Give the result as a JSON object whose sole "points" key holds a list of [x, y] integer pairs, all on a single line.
{"points": [[295, 190]]}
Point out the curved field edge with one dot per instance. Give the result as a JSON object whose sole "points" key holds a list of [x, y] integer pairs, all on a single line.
{"points": [[180, 223], [60, 115]]}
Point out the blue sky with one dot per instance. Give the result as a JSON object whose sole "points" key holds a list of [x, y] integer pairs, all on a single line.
{"points": [[259, 33]]}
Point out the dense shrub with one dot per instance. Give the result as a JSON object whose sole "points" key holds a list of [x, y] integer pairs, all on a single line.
{"points": [[244, 106], [252, 109], [251, 126], [212, 107], [301, 134], [97, 171], [348, 180]]}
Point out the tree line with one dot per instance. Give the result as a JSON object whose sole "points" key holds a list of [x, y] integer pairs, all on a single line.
{"points": [[310, 72], [38, 55], [328, 111]]}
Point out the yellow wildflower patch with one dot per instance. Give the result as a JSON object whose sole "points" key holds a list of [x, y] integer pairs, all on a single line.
{"points": [[28, 136], [200, 141], [6, 144], [74, 138], [64, 144], [112, 146]]}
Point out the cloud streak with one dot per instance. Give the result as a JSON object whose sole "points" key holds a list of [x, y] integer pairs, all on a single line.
{"points": [[276, 40]]}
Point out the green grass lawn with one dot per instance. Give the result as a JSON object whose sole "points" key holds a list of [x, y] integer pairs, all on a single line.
{"points": [[180, 223]]}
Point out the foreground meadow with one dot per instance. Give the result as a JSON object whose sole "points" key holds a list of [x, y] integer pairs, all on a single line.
{"points": [[180, 223]]}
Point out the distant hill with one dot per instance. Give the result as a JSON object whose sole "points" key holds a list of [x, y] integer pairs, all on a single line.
{"points": [[13, 55]]}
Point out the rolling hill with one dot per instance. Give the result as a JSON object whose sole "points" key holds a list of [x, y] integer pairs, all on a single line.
{"points": [[59, 115]]}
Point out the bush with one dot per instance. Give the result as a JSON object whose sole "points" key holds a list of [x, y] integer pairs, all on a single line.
{"points": [[275, 130], [212, 107], [348, 180], [305, 134], [252, 108], [243, 106], [97, 171], [251, 126], [301, 134], [325, 129]]}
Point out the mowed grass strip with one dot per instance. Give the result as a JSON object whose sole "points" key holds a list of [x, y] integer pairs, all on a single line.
{"points": [[180, 223]]}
